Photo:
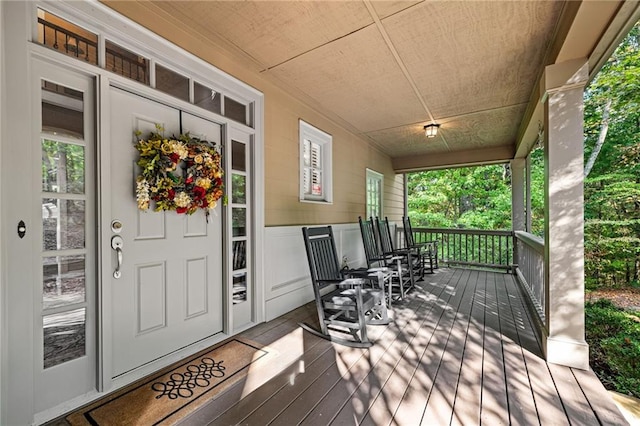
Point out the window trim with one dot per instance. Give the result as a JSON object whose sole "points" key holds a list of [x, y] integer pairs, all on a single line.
{"points": [[325, 141], [372, 174]]}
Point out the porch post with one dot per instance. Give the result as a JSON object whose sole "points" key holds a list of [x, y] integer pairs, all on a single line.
{"points": [[564, 202], [528, 212], [405, 194], [517, 194], [517, 202]]}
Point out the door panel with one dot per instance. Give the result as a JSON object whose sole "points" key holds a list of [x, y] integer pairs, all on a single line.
{"points": [[170, 292]]}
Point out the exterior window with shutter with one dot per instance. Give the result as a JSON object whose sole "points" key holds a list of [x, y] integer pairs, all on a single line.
{"points": [[315, 164]]}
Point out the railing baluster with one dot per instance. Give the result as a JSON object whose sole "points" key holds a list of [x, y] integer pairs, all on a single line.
{"points": [[470, 247]]}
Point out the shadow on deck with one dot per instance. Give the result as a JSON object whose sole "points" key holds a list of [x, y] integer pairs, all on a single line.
{"points": [[460, 350]]}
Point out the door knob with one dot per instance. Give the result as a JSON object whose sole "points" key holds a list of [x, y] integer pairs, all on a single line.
{"points": [[116, 244]]}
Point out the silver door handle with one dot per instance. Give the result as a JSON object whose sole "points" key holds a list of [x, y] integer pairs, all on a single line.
{"points": [[116, 244]]}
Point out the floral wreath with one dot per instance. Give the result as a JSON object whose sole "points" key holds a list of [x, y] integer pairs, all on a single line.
{"points": [[180, 173]]}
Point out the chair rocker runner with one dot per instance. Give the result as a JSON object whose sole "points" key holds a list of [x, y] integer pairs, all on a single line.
{"points": [[402, 279], [426, 251], [352, 304]]}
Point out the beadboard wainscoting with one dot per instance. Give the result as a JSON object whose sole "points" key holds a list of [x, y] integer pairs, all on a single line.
{"points": [[287, 279]]}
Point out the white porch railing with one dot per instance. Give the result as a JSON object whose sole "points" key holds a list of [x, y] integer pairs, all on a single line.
{"points": [[491, 249], [530, 269]]}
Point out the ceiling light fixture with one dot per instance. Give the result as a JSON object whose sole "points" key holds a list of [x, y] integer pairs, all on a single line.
{"points": [[431, 130]]}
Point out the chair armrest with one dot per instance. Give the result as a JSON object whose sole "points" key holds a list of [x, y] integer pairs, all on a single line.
{"points": [[425, 243], [351, 282], [382, 269]]}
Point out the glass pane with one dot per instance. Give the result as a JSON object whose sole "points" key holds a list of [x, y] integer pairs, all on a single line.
{"points": [[238, 156], [307, 153], [64, 337], [62, 167], [206, 98], [238, 189], [235, 110], [62, 110], [239, 255], [239, 287], [67, 38], [172, 83], [126, 63], [63, 224], [63, 281], [239, 221]]}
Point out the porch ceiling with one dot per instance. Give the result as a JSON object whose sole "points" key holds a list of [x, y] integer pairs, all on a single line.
{"points": [[384, 69]]}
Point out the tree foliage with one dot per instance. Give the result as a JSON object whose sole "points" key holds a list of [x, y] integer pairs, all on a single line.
{"points": [[471, 197], [612, 189]]}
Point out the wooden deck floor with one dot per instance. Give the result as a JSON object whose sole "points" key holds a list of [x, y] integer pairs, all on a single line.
{"points": [[460, 351]]}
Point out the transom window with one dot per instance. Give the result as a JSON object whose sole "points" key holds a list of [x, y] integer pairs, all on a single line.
{"points": [[315, 164], [72, 40]]}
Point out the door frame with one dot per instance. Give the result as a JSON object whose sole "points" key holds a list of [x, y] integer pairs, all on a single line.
{"points": [[17, 349], [105, 334]]}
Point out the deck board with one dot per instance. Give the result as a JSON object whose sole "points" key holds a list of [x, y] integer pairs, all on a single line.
{"points": [[430, 351], [547, 401], [439, 408], [466, 410], [361, 383], [460, 350], [522, 408], [495, 402]]}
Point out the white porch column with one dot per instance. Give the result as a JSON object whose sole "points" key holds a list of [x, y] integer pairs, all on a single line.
{"points": [[517, 202], [564, 203], [518, 221], [528, 212]]}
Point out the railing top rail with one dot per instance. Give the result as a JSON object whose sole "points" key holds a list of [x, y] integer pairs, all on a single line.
{"points": [[463, 231], [531, 240]]}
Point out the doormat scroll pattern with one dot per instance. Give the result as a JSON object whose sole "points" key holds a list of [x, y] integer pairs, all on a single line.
{"points": [[167, 398], [181, 385]]}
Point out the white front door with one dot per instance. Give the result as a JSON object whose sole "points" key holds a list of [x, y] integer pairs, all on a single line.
{"points": [[169, 294]]}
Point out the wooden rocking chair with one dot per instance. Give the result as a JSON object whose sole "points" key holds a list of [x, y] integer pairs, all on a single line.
{"points": [[410, 257], [353, 304], [426, 251], [402, 279]]}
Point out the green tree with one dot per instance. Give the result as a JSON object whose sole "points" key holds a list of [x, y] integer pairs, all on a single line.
{"points": [[471, 197], [612, 169]]}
